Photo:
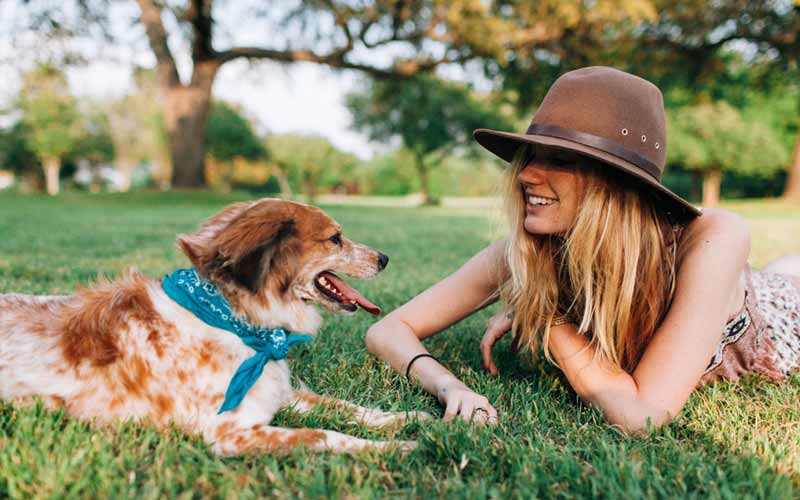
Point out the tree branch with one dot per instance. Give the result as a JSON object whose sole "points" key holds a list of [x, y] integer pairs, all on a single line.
{"points": [[199, 16], [157, 36], [402, 69]]}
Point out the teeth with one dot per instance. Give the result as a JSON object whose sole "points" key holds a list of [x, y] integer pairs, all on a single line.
{"points": [[536, 200], [328, 286]]}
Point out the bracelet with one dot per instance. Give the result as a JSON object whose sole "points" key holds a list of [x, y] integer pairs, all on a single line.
{"points": [[423, 355]]}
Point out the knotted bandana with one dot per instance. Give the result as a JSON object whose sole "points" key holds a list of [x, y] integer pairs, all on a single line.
{"points": [[203, 299]]}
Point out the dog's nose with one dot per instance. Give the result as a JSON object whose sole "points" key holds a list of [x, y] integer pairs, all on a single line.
{"points": [[382, 261]]}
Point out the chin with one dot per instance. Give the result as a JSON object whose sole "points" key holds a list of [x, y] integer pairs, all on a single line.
{"points": [[535, 225]]}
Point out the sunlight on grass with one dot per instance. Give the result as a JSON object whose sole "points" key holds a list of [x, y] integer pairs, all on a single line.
{"points": [[733, 440]]}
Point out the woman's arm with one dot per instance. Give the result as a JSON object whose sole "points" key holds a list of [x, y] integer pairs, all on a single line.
{"points": [[397, 337], [713, 253]]}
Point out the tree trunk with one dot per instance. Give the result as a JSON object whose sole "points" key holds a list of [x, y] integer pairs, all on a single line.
{"points": [[310, 188], [185, 114], [712, 178], [424, 184], [161, 170], [125, 167], [52, 166], [792, 189], [283, 182], [695, 189]]}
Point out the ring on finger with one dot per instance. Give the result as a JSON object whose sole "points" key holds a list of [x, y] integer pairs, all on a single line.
{"points": [[484, 410]]}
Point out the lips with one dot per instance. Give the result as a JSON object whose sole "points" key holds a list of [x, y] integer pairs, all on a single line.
{"points": [[337, 290]]}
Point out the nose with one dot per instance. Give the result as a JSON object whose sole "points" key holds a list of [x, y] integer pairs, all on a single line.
{"points": [[382, 261], [532, 173]]}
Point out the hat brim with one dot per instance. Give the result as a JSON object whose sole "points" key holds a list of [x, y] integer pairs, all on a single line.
{"points": [[505, 145]]}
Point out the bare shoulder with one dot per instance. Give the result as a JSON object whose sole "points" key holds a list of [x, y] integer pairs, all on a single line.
{"points": [[716, 231]]}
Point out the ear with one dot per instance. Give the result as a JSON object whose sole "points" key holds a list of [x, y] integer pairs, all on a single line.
{"points": [[240, 243], [249, 269], [248, 247], [198, 246]]}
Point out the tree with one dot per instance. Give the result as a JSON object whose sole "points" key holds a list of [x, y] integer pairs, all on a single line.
{"points": [[14, 151], [51, 118], [686, 48], [231, 139], [343, 28], [135, 123], [430, 116], [311, 161], [710, 138], [229, 134], [690, 35], [387, 39]]}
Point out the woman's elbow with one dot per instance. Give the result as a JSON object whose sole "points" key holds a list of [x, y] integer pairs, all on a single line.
{"points": [[376, 338], [639, 423]]}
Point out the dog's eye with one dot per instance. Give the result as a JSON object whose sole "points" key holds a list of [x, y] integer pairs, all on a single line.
{"points": [[336, 238]]}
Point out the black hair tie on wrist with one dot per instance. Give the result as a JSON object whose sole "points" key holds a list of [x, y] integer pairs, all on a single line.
{"points": [[423, 355]]}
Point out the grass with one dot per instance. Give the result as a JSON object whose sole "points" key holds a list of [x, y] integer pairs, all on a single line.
{"points": [[732, 440]]}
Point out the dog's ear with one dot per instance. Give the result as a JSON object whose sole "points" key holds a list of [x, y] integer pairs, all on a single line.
{"points": [[242, 243], [248, 260], [198, 246]]}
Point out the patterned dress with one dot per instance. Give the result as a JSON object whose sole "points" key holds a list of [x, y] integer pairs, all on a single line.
{"points": [[764, 336]]}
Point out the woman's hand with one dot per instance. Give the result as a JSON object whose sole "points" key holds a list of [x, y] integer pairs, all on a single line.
{"points": [[498, 325], [460, 401]]}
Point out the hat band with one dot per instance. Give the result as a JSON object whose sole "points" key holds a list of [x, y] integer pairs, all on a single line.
{"points": [[601, 143]]}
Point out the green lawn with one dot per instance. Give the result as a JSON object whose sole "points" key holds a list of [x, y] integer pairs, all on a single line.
{"points": [[732, 440]]}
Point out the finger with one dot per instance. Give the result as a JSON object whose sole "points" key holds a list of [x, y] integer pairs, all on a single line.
{"points": [[480, 416], [487, 344], [483, 410], [493, 416], [452, 408], [467, 407]]}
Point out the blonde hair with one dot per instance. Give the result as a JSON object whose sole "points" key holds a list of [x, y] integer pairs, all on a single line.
{"points": [[612, 272]]}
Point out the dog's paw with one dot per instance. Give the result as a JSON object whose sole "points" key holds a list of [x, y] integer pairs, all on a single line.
{"points": [[403, 446], [385, 419], [418, 416]]}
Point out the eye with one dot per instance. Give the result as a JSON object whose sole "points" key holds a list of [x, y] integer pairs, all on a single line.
{"points": [[561, 161], [336, 239]]}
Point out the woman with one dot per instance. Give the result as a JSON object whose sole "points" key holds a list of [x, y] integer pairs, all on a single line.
{"points": [[627, 288]]}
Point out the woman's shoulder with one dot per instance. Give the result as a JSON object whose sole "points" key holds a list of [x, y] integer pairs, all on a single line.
{"points": [[718, 220], [718, 225]]}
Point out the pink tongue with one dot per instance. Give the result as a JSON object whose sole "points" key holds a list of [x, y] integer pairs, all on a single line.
{"points": [[351, 293]]}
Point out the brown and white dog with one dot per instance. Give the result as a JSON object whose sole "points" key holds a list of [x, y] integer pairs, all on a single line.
{"points": [[124, 350]]}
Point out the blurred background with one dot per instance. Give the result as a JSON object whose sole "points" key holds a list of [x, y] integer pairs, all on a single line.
{"points": [[338, 100]]}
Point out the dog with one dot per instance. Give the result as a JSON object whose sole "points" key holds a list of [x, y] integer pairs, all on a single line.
{"points": [[125, 349]]}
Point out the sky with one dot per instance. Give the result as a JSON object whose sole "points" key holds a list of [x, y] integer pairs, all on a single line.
{"points": [[279, 99], [300, 97]]}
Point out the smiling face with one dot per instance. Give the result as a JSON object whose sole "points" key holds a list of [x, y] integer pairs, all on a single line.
{"points": [[551, 184], [274, 251]]}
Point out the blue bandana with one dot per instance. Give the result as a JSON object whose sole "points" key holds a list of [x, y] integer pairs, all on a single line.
{"points": [[203, 299]]}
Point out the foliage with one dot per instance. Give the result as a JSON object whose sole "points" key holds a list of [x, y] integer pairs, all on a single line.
{"points": [[230, 135], [431, 118], [94, 142], [546, 445], [715, 136], [391, 174], [312, 163], [553, 37], [136, 125], [429, 115], [49, 112], [14, 151]]}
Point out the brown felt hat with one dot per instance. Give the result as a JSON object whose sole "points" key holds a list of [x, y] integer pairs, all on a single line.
{"points": [[606, 114]]}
